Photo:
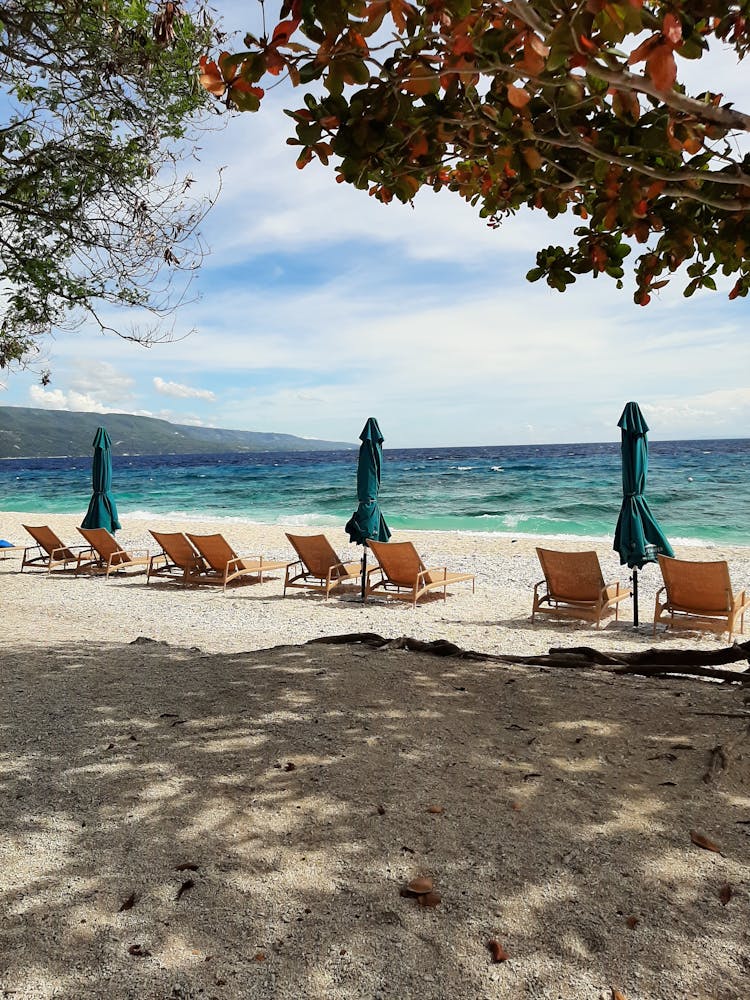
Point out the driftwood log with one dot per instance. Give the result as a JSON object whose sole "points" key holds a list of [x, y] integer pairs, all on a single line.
{"points": [[647, 663]]}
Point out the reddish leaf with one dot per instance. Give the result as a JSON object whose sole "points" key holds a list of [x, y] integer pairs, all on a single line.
{"points": [[725, 893], [632, 923], [671, 29], [435, 810], [499, 954], [420, 885], [422, 83], [518, 97], [283, 32], [701, 841], [210, 77], [661, 67], [643, 51], [532, 156]]}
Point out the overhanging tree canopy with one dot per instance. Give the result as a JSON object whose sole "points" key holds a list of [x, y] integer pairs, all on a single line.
{"points": [[553, 106], [95, 96]]}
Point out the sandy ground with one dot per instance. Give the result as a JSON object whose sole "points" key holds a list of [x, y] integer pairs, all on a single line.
{"points": [[304, 785]]}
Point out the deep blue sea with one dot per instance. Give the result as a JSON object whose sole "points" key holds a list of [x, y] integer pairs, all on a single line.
{"points": [[699, 490]]}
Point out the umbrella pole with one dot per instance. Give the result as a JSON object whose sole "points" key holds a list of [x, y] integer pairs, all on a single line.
{"points": [[364, 571], [635, 598]]}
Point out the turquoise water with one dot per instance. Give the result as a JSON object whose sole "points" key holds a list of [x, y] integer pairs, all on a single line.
{"points": [[699, 490]]}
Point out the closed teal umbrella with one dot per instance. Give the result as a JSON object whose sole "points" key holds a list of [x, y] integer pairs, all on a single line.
{"points": [[638, 535], [367, 520], [102, 512]]}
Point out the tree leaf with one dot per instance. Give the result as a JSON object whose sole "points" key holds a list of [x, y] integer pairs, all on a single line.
{"points": [[518, 97], [702, 841], [499, 954]]}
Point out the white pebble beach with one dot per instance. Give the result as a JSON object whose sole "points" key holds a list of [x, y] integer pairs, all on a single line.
{"points": [[304, 785]]}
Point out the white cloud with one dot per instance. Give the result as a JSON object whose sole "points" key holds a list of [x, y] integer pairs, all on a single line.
{"points": [[180, 391], [58, 399]]}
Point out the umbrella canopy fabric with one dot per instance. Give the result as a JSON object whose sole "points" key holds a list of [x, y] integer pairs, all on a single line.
{"points": [[638, 535], [367, 520], [102, 512]]}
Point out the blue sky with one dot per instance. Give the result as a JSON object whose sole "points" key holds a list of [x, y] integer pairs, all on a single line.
{"points": [[319, 307]]}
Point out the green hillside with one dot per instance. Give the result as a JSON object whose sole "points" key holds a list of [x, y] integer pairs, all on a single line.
{"points": [[28, 432]]}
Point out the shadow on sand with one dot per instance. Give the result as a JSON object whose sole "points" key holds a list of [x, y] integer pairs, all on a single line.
{"points": [[296, 782]]}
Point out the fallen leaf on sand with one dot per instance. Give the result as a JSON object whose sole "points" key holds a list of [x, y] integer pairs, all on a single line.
{"points": [[725, 893], [516, 806], [435, 810], [632, 922], [187, 884], [259, 956], [129, 903], [499, 954], [701, 841]]}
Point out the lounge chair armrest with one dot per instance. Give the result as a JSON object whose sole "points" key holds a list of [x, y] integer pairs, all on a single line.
{"points": [[740, 601], [65, 548], [331, 571], [423, 573]]}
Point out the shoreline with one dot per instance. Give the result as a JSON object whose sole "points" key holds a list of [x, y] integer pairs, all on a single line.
{"points": [[317, 524]]}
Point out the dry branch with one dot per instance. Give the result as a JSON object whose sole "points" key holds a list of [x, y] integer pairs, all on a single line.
{"points": [[649, 663]]}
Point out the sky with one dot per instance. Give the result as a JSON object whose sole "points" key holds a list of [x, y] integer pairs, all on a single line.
{"points": [[318, 307]]}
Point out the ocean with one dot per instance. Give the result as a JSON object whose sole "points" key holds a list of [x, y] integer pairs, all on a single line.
{"points": [[699, 490]]}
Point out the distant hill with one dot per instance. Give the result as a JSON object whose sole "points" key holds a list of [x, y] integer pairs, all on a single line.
{"points": [[29, 432]]}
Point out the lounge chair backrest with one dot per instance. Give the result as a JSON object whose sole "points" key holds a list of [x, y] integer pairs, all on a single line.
{"points": [[105, 544], [177, 547], [697, 586], [46, 538], [316, 552], [215, 549], [572, 576], [399, 561]]}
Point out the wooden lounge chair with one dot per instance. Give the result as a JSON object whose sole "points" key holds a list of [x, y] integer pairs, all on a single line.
{"points": [[404, 576], [318, 567], [226, 566], [104, 554], [574, 588], [49, 552], [698, 595], [177, 560]]}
